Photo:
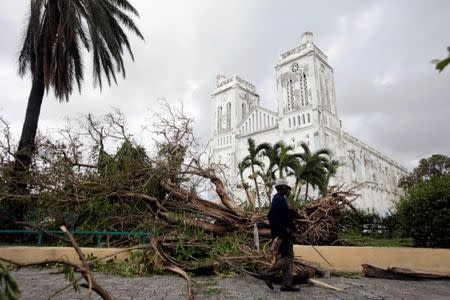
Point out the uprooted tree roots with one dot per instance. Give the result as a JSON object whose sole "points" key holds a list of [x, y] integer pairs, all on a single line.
{"points": [[80, 185]]}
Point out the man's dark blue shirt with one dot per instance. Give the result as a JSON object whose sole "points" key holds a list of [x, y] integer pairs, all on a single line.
{"points": [[280, 216]]}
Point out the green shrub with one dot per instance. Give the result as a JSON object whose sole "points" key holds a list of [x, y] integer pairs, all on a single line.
{"points": [[424, 213]]}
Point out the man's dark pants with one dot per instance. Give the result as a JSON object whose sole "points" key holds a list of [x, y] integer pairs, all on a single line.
{"points": [[284, 262]]}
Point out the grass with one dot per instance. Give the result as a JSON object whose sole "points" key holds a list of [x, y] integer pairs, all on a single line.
{"points": [[361, 240]]}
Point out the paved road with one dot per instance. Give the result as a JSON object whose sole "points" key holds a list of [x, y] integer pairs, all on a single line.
{"points": [[39, 284]]}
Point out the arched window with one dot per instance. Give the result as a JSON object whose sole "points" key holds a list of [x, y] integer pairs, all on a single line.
{"points": [[309, 118], [290, 95], [228, 116], [322, 92], [219, 119], [327, 91], [289, 122], [303, 89], [244, 111]]}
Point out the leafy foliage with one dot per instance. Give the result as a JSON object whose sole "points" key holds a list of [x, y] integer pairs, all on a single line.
{"points": [[307, 167], [442, 64], [58, 30], [424, 213], [436, 165]]}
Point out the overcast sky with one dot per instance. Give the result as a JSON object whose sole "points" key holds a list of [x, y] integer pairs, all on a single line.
{"points": [[388, 93]]}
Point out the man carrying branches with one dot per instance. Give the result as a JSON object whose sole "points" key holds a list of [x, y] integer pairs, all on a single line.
{"points": [[281, 225]]}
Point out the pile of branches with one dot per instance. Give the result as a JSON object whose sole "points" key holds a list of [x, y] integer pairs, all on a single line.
{"points": [[75, 181], [320, 221]]}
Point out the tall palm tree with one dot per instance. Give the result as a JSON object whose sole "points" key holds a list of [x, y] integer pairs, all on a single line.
{"points": [[57, 32], [252, 161], [314, 171], [331, 167]]}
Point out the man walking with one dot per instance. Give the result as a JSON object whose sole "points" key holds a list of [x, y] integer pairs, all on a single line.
{"points": [[281, 225]]}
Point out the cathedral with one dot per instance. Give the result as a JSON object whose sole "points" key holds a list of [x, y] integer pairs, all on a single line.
{"points": [[307, 112]]}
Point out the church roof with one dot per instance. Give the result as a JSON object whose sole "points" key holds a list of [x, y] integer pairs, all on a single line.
{"points": [[258, 119]]}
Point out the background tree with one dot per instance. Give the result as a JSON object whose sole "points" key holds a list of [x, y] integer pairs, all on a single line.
{"points": [[424, 213], [56, 33], [434, 166]]}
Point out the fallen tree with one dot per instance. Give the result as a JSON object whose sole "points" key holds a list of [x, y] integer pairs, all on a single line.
{"points": [[77, 183]]}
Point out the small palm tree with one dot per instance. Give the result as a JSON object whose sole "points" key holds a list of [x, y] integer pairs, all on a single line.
{"points": [[252, 161], [314, 170], [285, 159], [57, 32], [268, 176], [331, 166]]}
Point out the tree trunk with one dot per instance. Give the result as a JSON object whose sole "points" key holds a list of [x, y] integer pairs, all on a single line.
{"points": [[306, 192], [256, 187], [26, 145], [244, 185]]}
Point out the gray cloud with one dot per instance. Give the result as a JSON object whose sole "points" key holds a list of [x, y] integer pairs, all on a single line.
{"points": [[388, 93]]}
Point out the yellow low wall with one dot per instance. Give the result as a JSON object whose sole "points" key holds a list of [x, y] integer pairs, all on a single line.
{"points": [[23, 254], [343, 259], [349, 259]]}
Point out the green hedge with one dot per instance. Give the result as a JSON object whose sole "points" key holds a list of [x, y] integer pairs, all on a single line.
{"points": [[424, 213]]}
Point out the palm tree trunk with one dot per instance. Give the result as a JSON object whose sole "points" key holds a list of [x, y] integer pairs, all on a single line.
{"points": [[256, 187], [298, 192], [306, 192], [244, 185], [26, 145]]}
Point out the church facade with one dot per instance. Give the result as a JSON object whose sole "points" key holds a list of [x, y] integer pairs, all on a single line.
{"points": [[306, 113]]}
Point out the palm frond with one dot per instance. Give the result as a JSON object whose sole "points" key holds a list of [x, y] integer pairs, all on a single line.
{"points": [[57, 31]]}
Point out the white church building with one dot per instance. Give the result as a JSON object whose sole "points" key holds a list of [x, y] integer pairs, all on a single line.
{"points": [[307, 112]]}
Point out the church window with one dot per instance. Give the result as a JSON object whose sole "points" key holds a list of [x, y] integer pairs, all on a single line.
{"points": [[298, 120], [219, 119], [244, 111], [303, 89], [253, 122], [289, 122], [303, 118], [294, 67], [293, 119], [290, 95], [309, 118], [322, 93], [228, 116], [327, 91], [272, 121], [250, 124], [246, 127]]}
